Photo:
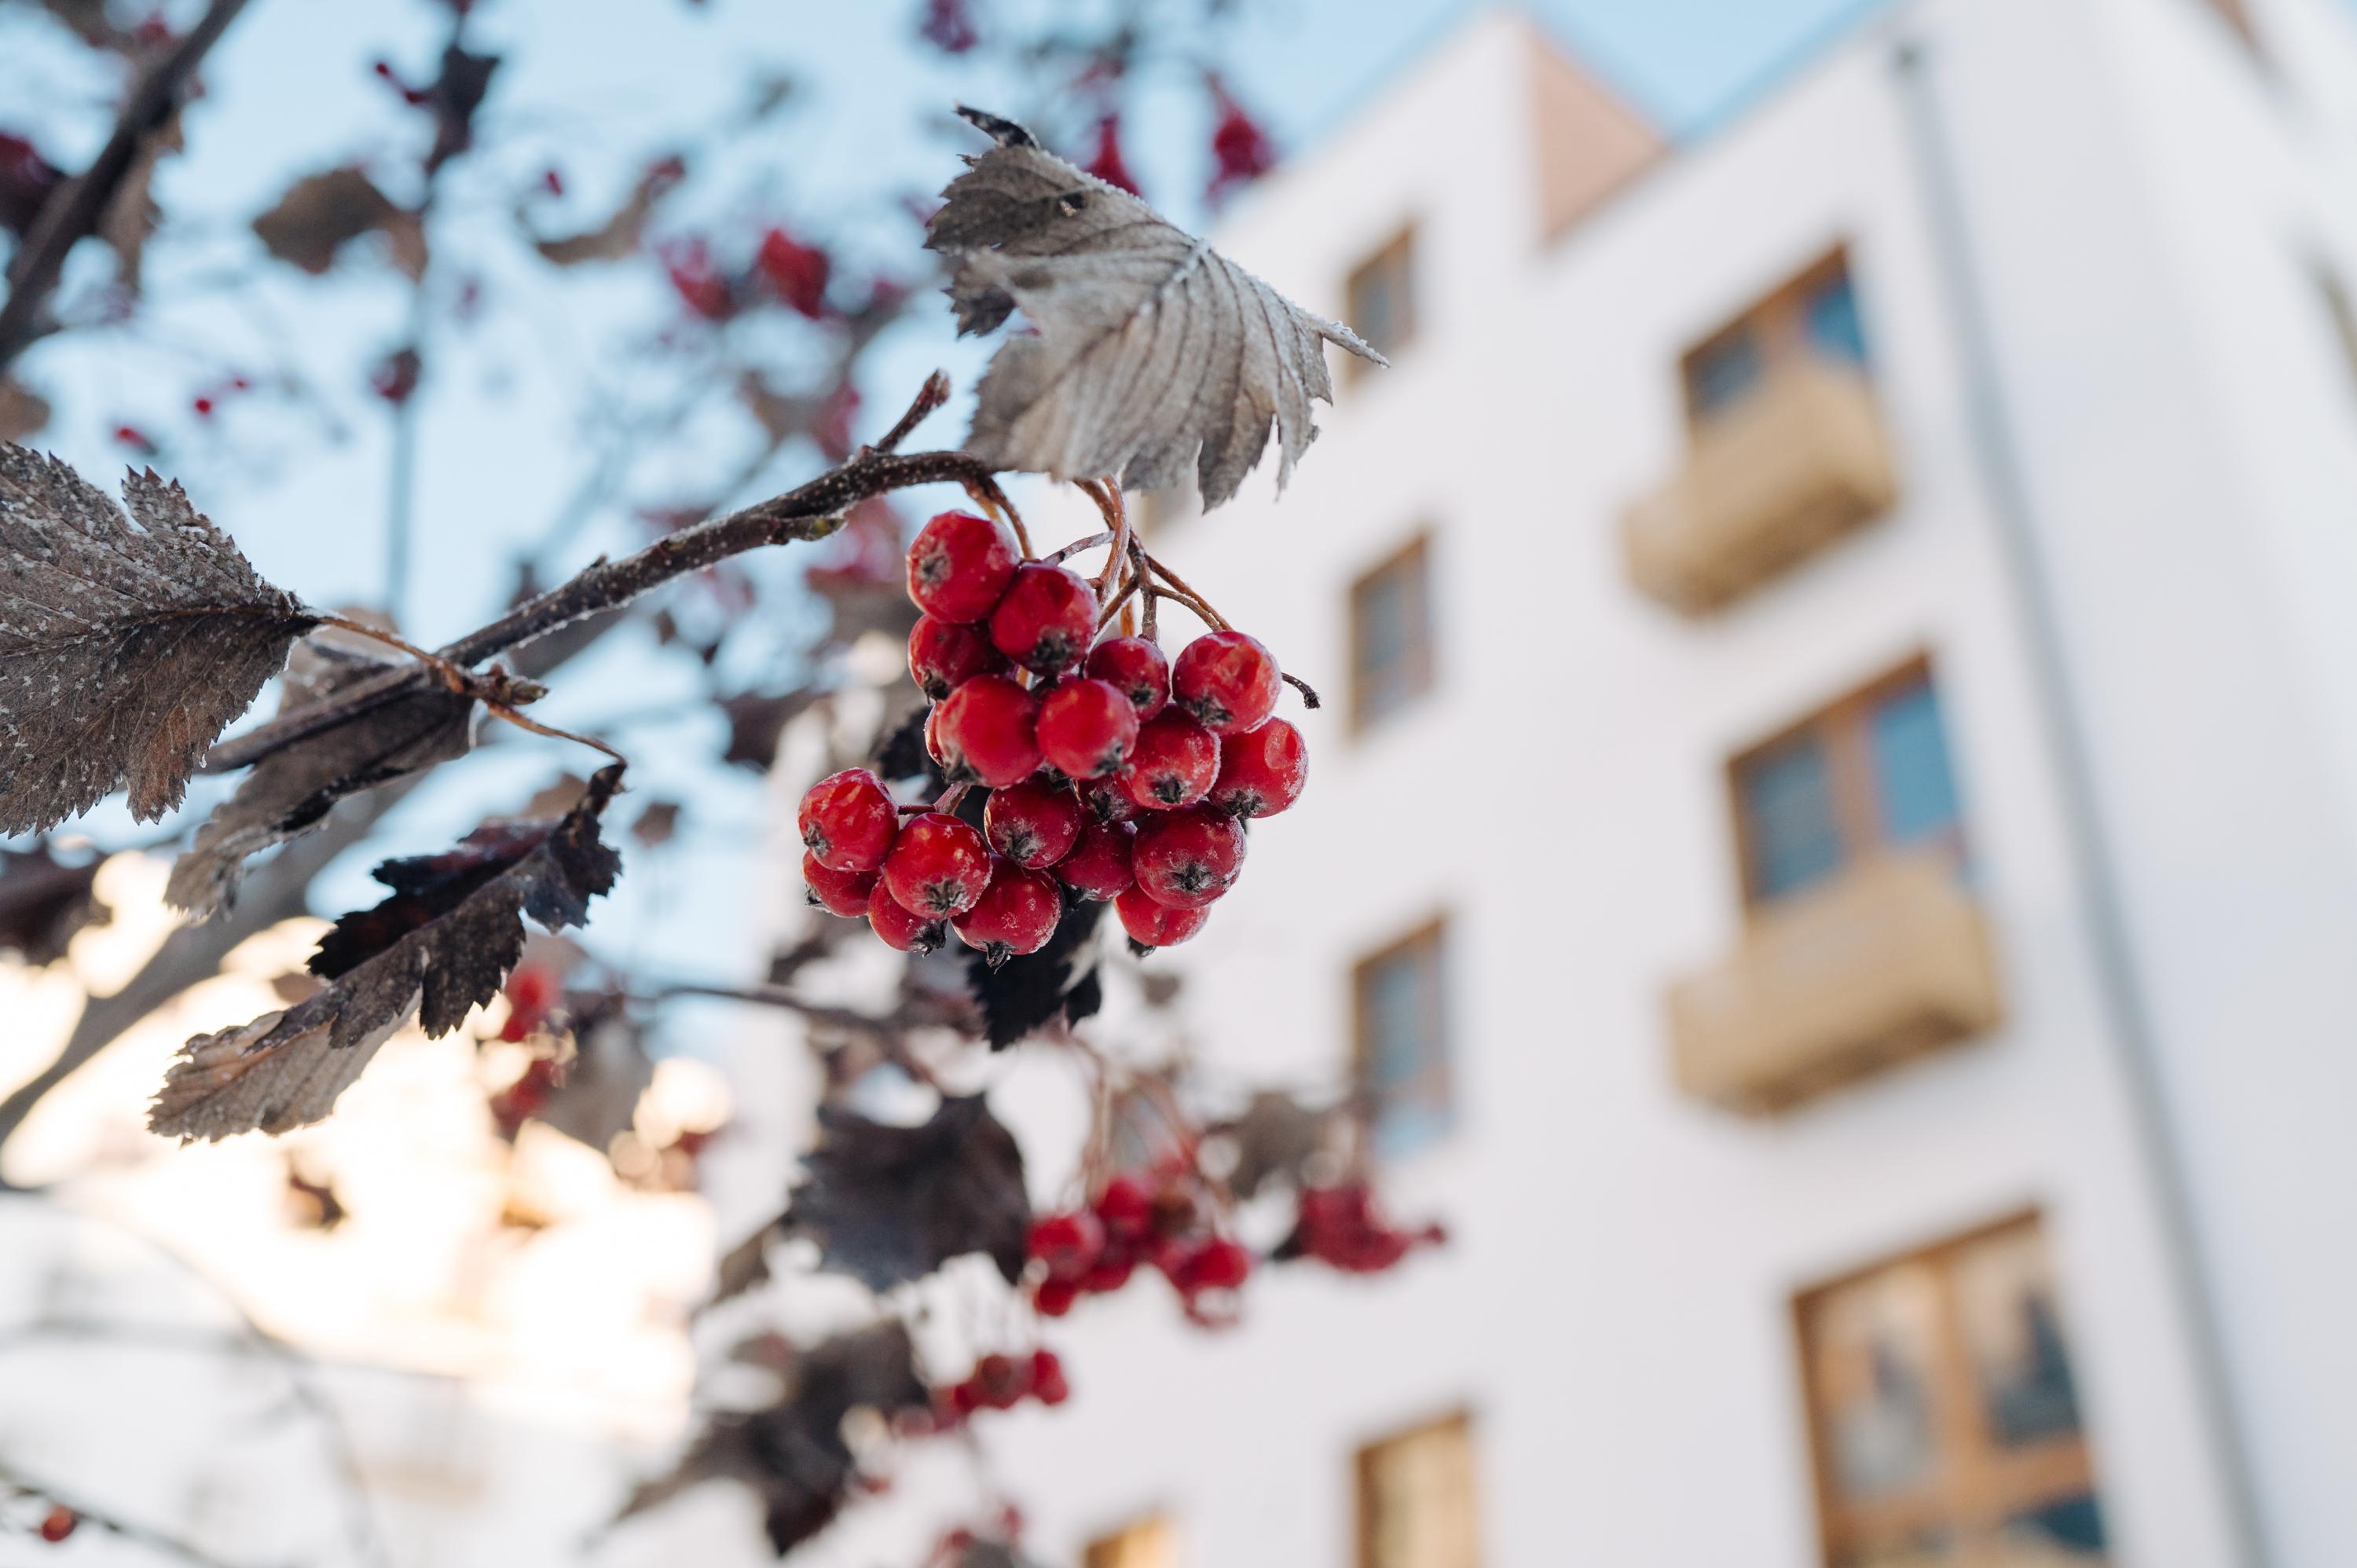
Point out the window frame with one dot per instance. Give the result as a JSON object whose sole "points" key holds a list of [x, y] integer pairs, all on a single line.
{"points": [[1108, 1550], [1363, 1468], [1977, 1486], [1843, 728], [1778, 324], [1414, 560], [1436, 1078], [1399, 251]]}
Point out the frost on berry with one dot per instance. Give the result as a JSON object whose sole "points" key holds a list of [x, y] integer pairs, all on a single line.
{"points": [[1086, 728], [1173, 764], [943, 655], [1227, 679], [960, 565], [1047, 619], [897, 928], [1099, 864], [842, 893], [848, 820], [1151, 924], [1137, 665], [1016, 913], [988, 732], [1187, 859], [1033, 823], [938, 868], [1262, 771], [1106, 800]]}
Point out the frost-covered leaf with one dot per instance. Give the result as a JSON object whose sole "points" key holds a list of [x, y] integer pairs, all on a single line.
{"points": [[888, 1204], [441, 946], [321, 213], [45, 900], [1154, 355], [127, 641], [289, 792], [793, 1454], [1034, 990]]}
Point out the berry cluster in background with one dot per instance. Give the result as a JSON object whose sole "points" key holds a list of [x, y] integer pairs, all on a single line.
{"points": [[1112, 771]]}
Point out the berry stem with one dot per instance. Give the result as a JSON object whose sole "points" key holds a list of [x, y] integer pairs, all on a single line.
{"points": [[1308, 693], [1185, 594], [1077, 546], [985, 493]]}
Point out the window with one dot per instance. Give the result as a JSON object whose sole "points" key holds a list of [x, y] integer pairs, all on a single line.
{"points": [[1390, 636], [1148, 1543], [1870, 773], [1399, 1052], [1417, 1502], [1381, 301], [1943, 1412], [1814, 317], [2342, 313]]}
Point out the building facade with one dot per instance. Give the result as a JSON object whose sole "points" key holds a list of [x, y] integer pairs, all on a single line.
{"points": [[1834, 835]]}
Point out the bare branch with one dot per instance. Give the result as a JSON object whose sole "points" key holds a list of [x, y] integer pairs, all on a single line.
{"points": [[74, 211]]}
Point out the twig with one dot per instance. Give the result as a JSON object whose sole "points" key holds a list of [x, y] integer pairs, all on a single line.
{"points": [[1187, 596], [929, 397], [74, 211], [1309, 694], [986, 495], [85, 1513]]}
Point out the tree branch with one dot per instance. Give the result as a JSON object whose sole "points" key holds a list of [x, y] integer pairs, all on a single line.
{"points": [[74, 208]]}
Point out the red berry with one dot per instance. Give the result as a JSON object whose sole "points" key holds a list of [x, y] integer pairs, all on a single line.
{"points": [[933, 737], [998, 1382], [1098, 868], [1048, 1384], [943, 655], [1067, 1243], [1034, 823], [1106, 800], [848, 821], [1136, 666], [1155, 925], [989, 732], [1016, 913], [532, 992], [1054, 1298], [939, 866], [1173, 763], [841, 893], [1126, 1207], [1218, 1264], [960, 566], [1261, 771], [1187, 859], [901, 930], [60, 1520], [1109, 1274], [1086, 728], [1227, 679], [1046, 618]]}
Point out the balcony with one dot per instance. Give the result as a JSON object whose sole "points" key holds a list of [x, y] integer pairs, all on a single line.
{"points": [[1889, 961], [1799, 461]]}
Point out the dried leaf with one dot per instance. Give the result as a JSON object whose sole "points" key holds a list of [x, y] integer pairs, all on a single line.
{"points": [[1034, 990], [322, 213], [1154, 355], [599, 1095], [888, 1205], [131, 212], [455, 96], [793, 1453], [621, 234], [127, 643], [441, 946], [1274, 1139], [657, 825], [45, 900], [757, 720], [291, 791], [22, 410]]}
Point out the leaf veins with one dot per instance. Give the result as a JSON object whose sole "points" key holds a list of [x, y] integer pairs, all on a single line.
{"points": [[441, 946], [1155, 354], [127, 641]]}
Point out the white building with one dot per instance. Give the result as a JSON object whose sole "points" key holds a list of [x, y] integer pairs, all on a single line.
{"points": [[1841, 641]]}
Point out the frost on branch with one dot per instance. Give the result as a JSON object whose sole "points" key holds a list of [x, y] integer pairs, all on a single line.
{"points": [[127, 643], [291, 791], [441, 946], [888, 1205], [793, 1453], [1153, 354]]}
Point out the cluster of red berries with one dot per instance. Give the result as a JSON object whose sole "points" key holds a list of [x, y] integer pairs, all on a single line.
{"points": [[1341, 1227], [1113, 773], [1093, 1251], [1002, 1382]]}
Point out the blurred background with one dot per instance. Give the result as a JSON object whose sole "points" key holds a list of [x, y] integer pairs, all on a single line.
{"points": [[1831, 863]]}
